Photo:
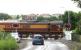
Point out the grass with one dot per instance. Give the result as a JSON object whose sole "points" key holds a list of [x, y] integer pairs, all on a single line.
{"points": [[76, 46]]}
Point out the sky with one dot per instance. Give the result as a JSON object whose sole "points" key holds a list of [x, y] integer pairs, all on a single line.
{"points": [[14, 7]]}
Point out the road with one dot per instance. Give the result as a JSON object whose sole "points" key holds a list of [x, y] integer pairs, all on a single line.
{"points": [[49, 45]]}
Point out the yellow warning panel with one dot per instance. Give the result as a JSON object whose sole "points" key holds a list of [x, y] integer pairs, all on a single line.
{"points": [[38, 26], [2, 27]]}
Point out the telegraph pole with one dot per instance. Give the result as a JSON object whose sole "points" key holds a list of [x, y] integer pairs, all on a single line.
{"points": [[69, 24], [68, 17]]}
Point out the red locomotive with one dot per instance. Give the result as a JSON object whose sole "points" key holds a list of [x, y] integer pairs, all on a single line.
{"points": [[46, 29]]}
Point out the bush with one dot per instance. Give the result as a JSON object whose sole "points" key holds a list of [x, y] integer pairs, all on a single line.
{"points": [[78, 31], [4, 35], [75, 37], [7, 42]]}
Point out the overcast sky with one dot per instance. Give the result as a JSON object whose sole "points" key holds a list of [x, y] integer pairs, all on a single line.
{"points": [[36, 6]]}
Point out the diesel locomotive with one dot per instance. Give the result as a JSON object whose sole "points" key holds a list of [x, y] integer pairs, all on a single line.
{"points": [[52, 29]]}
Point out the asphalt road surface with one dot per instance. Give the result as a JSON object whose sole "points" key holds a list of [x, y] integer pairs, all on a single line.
{"points": [[48, 45]]}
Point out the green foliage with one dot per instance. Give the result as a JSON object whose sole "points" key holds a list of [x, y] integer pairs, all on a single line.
{"points": [[52, 18], [65, 17], [4, 35], [4, 16], [7, 42], [78, 1], [74, 18], [17, 17], [61, 17], [75, 37], [40, 18], [78, 29]]}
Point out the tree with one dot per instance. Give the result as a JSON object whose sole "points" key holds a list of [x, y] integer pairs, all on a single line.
{"points": [[40, 18], [17, 17], [65, 17], [73, 18], [78, 1], [4, 16], [60, 17], [78, 29], [52, 18]]}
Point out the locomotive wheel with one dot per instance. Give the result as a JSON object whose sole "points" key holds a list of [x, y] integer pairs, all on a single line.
{"points": [[56, 37], [45, 38]]}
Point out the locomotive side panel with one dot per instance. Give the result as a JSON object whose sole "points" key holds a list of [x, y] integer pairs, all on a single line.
{"points": [[55, 28], [28, 27], [24, 27], [38, 28], [2, 26], [10, 27]]}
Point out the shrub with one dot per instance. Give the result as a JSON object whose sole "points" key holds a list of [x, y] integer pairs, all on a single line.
{"points": [[78, 31], [75, 37], [7, 42]]}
